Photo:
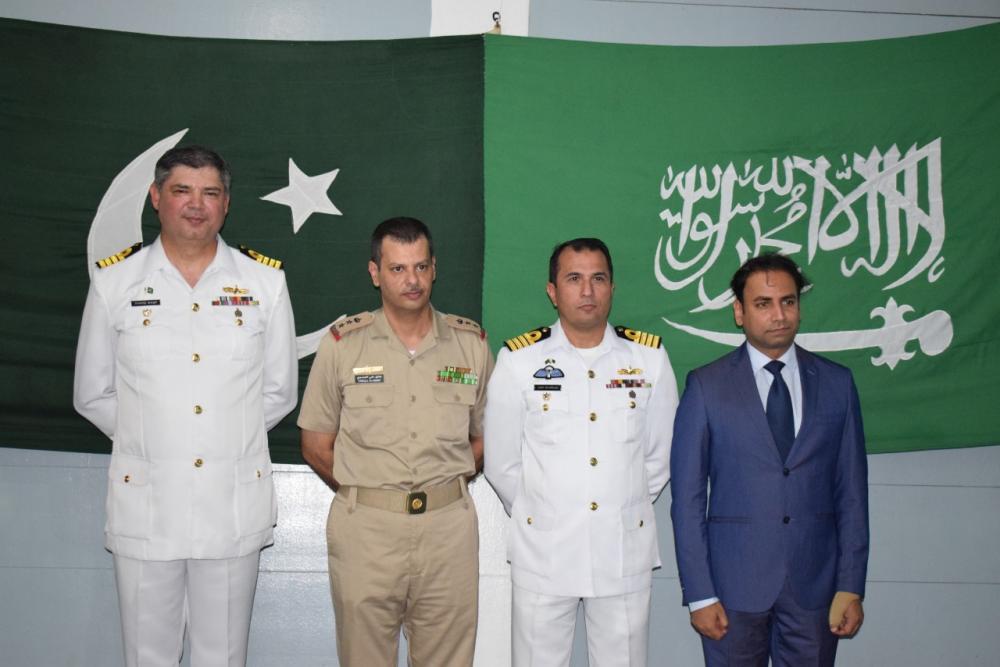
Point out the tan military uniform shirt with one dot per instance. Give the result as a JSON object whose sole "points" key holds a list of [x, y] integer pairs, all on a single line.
{"points": [[402, 421]]}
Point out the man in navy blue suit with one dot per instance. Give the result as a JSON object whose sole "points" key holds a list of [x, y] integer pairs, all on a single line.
{"points": [[770, 488]]}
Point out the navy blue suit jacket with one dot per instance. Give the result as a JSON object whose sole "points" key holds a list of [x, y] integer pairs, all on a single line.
{"points": [[744, 522]]}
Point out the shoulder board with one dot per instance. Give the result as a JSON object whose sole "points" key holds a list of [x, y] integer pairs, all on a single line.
{"points": [[118, 256], [464, 324], [263, 259], [527, 338], [640, 337], [348, 324]]}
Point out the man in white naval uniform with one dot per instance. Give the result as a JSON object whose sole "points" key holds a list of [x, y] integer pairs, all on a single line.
{"points": [[186, 358], [577, 437]]}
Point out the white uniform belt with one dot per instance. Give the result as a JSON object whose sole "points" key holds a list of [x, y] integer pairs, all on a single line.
{"points": [[413, 502]]}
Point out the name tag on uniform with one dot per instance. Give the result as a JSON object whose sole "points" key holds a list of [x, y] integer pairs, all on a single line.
{"points": [[548, 387], [368, 374], [147, 302]]}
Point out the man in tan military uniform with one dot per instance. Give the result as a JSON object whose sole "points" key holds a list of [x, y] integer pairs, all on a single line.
{"points": [[401, 393]]}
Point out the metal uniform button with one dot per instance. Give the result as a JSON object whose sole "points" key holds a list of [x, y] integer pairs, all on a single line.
{"points": [[545, 407], [198, 463], [413, 361], [128, 478], [258, 474], [368, 399], [195, 307], [417, 503], [145, 323], [590, 374], [786, 519], [197, 409], [631, 404], [529, 520], [786, 472], [413, 398], [146, 312], [195, 357], [593, 461], [593, 416], [239, 323], [593, 507], [413, 435], [641, 523]]}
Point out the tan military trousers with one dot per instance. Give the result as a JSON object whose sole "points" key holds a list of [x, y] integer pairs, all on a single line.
{"points": [[419, 572]]}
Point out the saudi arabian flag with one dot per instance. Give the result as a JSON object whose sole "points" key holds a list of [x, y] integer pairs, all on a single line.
{"points": [[873, 164], [325, 140]]}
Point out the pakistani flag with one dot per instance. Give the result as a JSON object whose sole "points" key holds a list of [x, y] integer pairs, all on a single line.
{"points": [[874, 165], [325, 140]]}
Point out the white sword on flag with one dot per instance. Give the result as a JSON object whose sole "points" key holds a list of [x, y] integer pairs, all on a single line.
{"points": [[933, 333]]}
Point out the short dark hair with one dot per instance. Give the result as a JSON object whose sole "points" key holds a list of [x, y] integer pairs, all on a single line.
{"points": [[584, 243], [404, 230], [771, 261], [195, 157]]}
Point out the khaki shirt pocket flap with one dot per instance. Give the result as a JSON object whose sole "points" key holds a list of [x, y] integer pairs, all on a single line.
{"points": [[367, 395], [455, 394]]}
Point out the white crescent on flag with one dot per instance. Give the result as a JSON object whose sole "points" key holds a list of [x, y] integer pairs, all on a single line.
{"points": [[118, 221]]}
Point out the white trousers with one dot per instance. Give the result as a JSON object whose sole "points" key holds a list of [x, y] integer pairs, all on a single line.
{"points": [[542, 629], [213, 598]]}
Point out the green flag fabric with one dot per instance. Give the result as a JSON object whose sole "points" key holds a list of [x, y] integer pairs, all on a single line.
{"points": [[872, 164], [325, 140]]}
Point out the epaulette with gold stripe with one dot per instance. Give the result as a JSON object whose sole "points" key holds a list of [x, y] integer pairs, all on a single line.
{"points": [[263, 259], [527, 338], [640, 337], [464, 324], [118, 256], [348, 324]]}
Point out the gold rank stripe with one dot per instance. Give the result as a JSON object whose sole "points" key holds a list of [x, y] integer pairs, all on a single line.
{"points": [[118, 256], [640, 337], [262, 259], [522, 341]]}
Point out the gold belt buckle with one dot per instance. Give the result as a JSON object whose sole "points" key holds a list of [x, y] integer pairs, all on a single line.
{"points": [[416, 502]]}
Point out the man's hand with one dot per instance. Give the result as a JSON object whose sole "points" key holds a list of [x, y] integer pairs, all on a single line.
{"points": [[846, 614], [711, 621]]}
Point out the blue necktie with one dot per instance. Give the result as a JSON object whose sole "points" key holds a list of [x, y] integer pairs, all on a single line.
{"points": [[779, 410]]}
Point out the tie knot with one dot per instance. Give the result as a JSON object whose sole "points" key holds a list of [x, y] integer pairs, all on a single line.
{"points": [[774, 367]]}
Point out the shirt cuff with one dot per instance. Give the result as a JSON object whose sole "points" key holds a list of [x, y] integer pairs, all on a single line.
{"points": [[701, 604]]}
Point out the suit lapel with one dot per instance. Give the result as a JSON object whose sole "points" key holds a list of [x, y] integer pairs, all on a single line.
{"points": [[748, 396], [810, 394]]}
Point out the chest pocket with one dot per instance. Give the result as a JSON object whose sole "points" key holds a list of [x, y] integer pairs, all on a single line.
{"points": [[630, 411], [243, 333], [145, 334], [368, 416], [547, 416], [453, 405]]}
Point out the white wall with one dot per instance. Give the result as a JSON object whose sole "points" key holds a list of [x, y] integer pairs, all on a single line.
{"points": [[934, 575]]}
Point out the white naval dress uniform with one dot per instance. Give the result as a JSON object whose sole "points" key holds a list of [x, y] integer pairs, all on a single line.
{"points": [[186, 382], [577, 446]]}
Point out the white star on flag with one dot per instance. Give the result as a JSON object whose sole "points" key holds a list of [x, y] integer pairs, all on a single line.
{"points": [[305, 195]]}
